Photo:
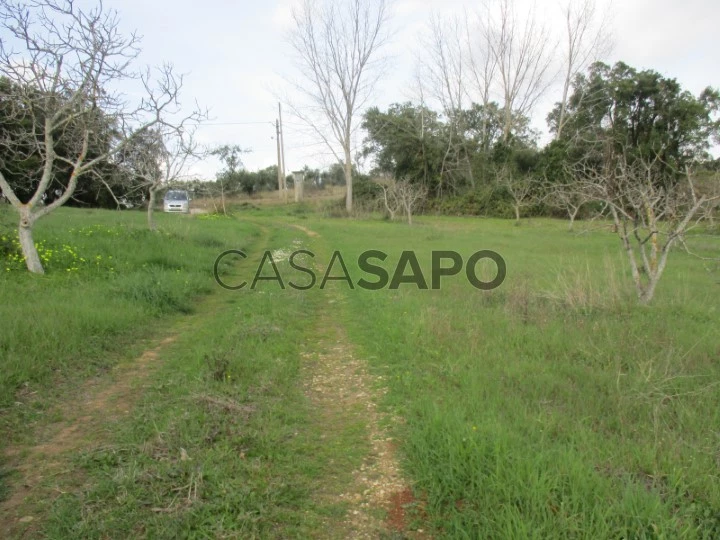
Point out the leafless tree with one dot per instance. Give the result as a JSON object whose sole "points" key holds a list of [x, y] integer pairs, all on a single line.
{"points": [[389, 198], [443, 66], [410, 196], [337, 45], [521, 49], [523, 188], [481, 64], [568, 198], [402, 196], [442, 62], [650, 210], [62, 62], [587, 40], [163, 158]]}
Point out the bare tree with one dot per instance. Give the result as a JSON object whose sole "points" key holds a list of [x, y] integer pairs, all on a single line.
{"points": [[389, 198], [442, 60], [443, 66], [650, 210], [482, 65], [568, 198], [521, 51], [587, 40], [337, 44], [62, 62], [410, 196], [163, 158], [523, 188], [402, 195]]}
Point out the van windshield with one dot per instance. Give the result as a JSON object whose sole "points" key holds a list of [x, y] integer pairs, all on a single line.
{"points": [[176, 196]]}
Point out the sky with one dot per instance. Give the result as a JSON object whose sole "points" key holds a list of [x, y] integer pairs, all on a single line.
{"points": [[236, 59]]}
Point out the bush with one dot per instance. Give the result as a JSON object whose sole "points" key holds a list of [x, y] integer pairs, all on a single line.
{"points": [[366, 191], [486, 201], [334, 208]]}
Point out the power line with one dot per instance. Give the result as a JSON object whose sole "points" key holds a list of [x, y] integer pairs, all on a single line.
{"points": [[232, 123], [245, 123]]}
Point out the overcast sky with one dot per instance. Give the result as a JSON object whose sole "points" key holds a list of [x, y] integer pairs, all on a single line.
{"points": [[235, 55]]}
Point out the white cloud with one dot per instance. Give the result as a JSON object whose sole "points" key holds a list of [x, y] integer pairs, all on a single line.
{"points": [[282, 15], [236, 55]]}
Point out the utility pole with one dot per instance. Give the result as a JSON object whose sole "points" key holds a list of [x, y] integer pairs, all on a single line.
{"points": [[282, 152], [281, 177]]}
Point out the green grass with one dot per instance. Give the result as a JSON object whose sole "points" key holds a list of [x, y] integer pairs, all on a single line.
{"points": [[107, 277], [223, 441], [552, 407], [228, 397]]}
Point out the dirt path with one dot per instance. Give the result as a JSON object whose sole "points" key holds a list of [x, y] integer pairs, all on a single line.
{"points": [[311, 234], [337, 381], [85, 419], [96, 406], [345, 394]]}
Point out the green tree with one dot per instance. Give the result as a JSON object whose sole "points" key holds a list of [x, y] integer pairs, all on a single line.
{"points": [[640, 113], [405, 142]]}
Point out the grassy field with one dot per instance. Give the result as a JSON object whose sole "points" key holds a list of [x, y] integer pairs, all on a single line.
{"points": [[551, 407], [107, 277]]}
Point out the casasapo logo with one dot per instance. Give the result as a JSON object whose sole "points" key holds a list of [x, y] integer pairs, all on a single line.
{"points": [[375, 275]]}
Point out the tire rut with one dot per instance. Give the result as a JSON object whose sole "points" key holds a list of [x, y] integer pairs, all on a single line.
{"points": [[343, 392]]}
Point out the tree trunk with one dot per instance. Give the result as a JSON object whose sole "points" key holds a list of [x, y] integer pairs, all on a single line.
{"points": [[348, 181], [563, 102], [573, 215], [150, 210], [652, 222], [517, 213], [29, 251], [623, 234], [507, 123], [390, 211], [649, 293]]}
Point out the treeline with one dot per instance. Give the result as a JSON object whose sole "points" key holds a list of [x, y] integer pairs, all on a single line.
{"points": [[233, 178], [472, 161]]}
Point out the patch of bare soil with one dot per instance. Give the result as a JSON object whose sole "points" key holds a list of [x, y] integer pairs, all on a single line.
{"points": [[95, 405], [344, 392], [311, 234]]}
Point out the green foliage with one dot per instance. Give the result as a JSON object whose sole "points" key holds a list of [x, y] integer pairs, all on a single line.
{"points": [[405, 141], [488, 201], [234, 178], [23, 167], [454, 156], [366, 191], [642, 114]]}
